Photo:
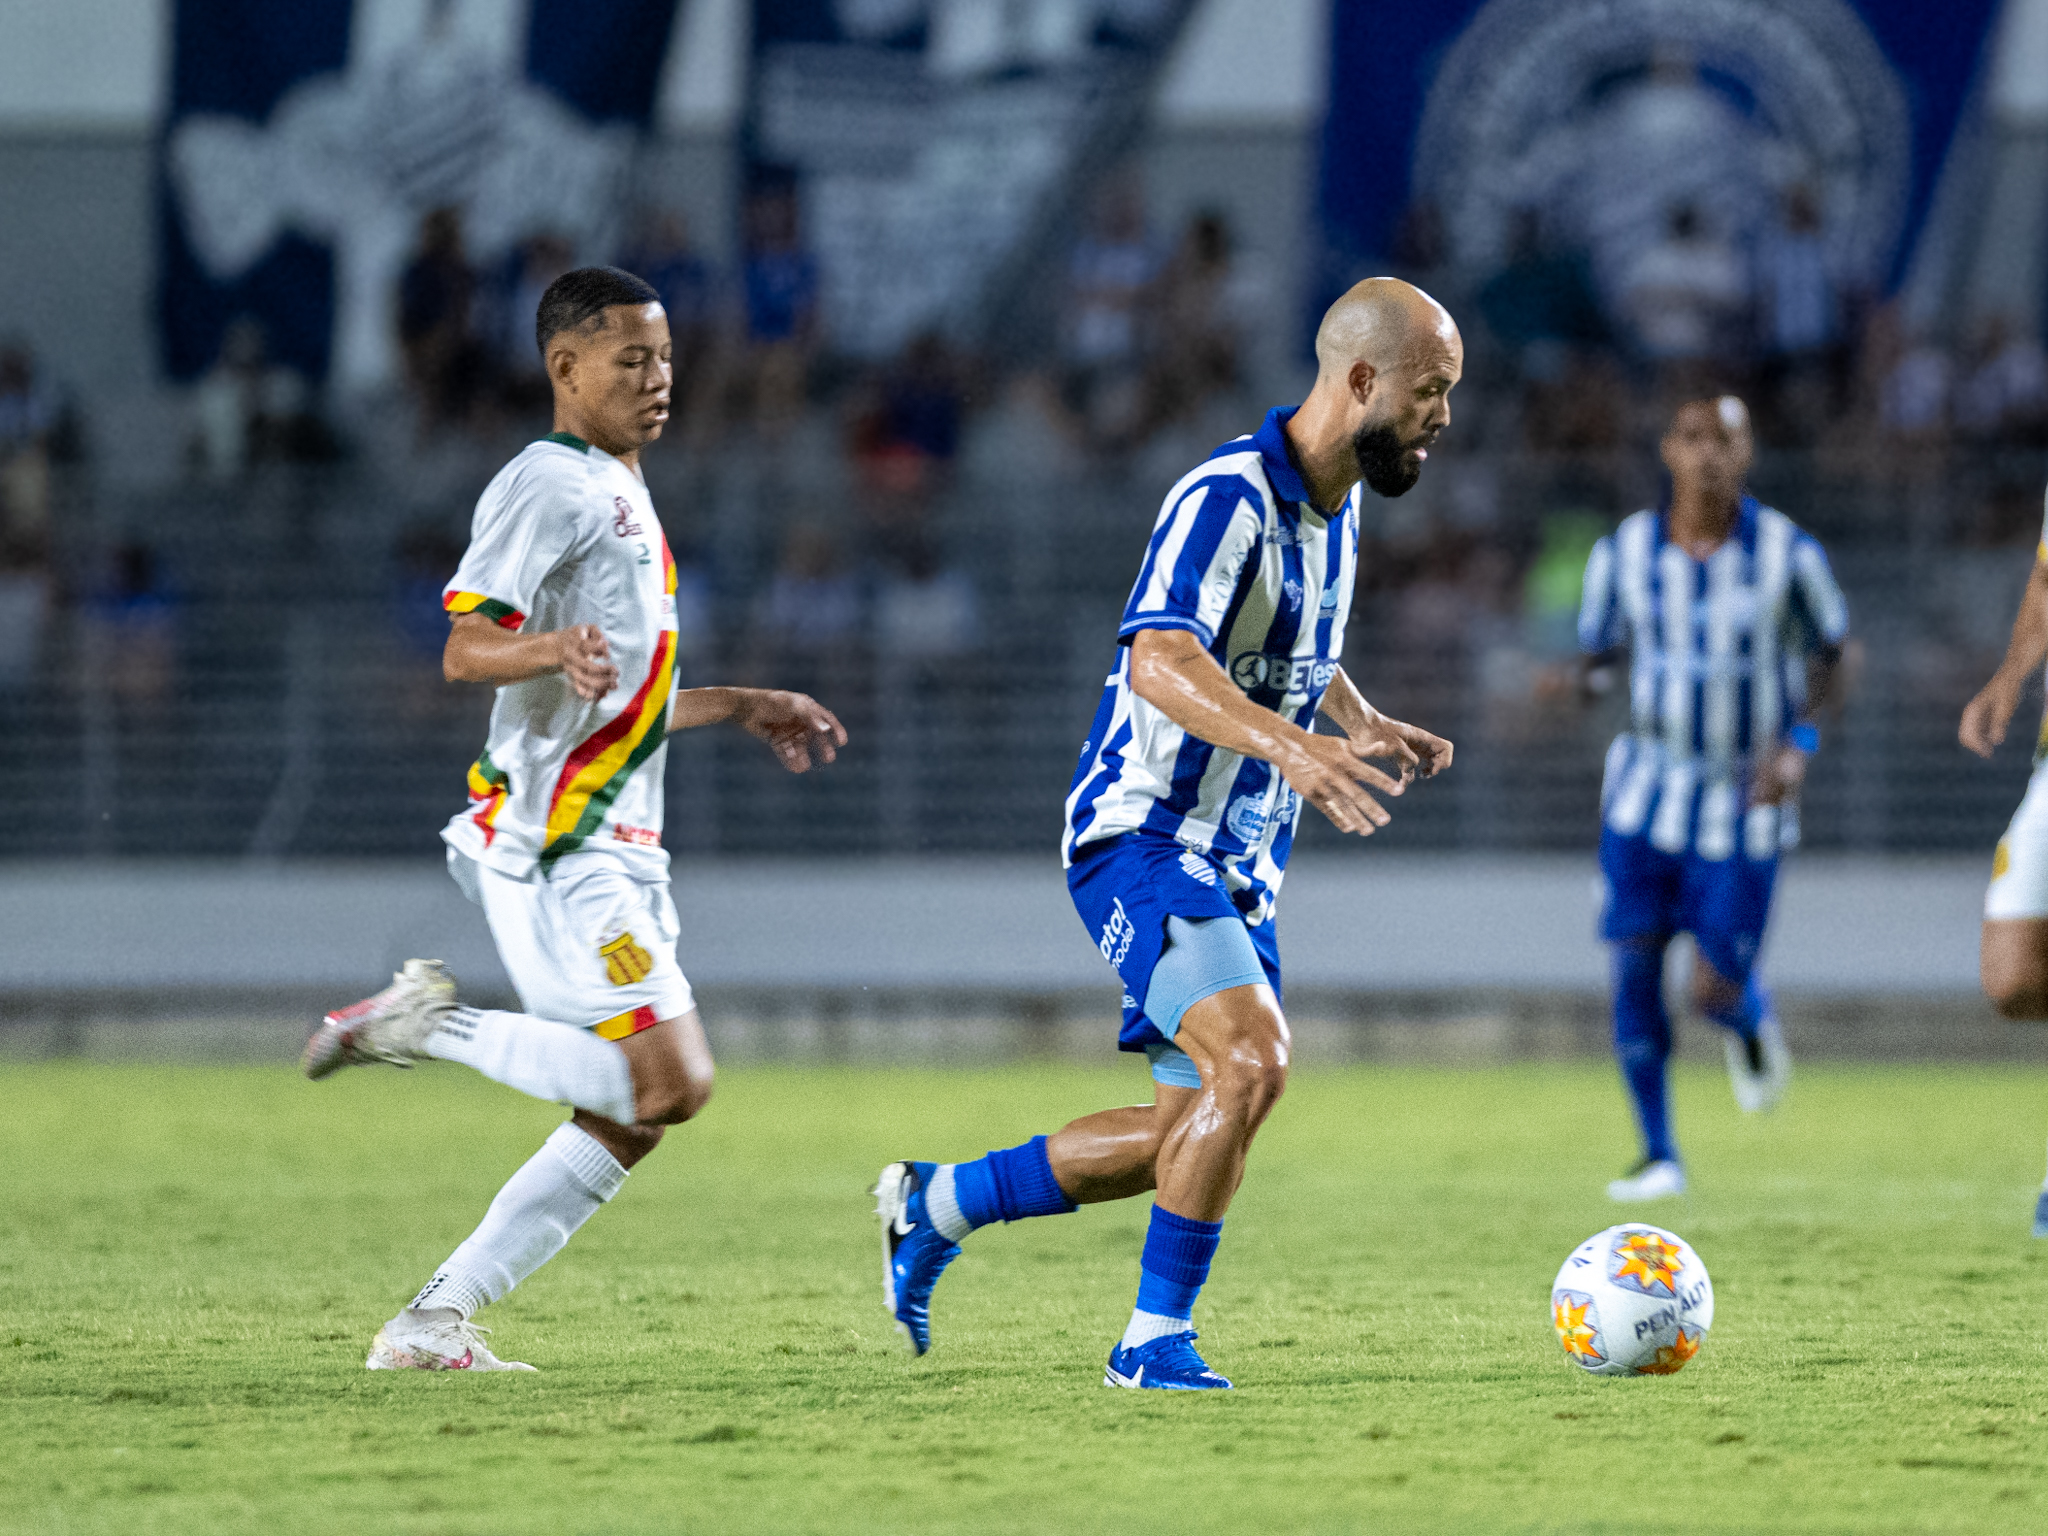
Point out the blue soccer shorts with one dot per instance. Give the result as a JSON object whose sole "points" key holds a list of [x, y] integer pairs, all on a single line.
{"points": [[1160, 914], [1723, 903]]}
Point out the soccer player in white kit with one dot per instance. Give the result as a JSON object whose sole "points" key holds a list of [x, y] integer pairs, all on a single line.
{"points": [[565, 600], [2013, 956]]}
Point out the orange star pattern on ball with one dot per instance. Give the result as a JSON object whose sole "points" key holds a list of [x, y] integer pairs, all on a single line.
{"points": [[1579, 1337], [1672, 1357], [1647, 1259]]}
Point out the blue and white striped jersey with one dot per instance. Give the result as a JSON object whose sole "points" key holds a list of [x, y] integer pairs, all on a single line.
{"points": [[1717, 672], [1243, 560]]}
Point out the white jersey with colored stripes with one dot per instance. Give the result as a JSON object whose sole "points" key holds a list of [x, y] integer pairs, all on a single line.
{"points": [[566, 534], [1718, 652]]}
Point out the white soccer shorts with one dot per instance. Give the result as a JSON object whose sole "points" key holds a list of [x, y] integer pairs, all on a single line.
{"points": [[587, 945], [2019, 869]]}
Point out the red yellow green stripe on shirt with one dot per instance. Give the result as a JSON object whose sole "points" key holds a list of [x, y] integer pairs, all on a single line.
{"points": [[598, 769], [504, 615], [488, 787]]}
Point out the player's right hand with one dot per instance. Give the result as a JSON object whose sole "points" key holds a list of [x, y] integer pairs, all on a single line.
{"points": [[1986, 716], [1331, 774], [586, 660]]}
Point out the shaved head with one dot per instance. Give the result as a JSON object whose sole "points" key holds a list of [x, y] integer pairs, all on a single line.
{"points": [[1387, 357], [1376, 322]]}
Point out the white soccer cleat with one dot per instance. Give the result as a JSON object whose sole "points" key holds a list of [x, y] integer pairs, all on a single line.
{"points": [[1758, 1071], [392, 1026], [438, 1339], [1649, 1180]]}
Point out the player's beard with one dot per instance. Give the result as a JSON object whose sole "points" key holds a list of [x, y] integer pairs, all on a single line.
{"points": [[1383, 461]]}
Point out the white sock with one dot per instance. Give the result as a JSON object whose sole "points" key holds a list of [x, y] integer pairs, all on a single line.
{"points": [[551, 1061], [943, 1206], [1147, 1326], [554, 1192]]}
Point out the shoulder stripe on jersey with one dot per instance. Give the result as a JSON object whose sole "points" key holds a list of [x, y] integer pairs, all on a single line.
{"points": [[504, 615], [1183, 548]]}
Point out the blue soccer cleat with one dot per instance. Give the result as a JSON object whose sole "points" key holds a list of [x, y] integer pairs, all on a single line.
{"points": [[1169, 1364], [914, 1252], [2041, 1213]]}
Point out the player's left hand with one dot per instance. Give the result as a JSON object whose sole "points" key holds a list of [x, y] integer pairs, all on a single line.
{"points": [[1779, 777], [1420, 754], [794, 725]]}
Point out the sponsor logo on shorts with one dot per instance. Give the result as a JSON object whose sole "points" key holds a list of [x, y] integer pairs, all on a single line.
{"points": [[625, 962], [1117, 934], [1253, 670], [646, 837], [1247, 818], [1198, 868]]}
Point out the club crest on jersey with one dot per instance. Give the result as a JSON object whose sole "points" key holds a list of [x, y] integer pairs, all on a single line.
{"points": [[625, 962], [1247, 818], [624, 525]]}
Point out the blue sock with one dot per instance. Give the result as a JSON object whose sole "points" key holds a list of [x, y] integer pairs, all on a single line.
{"points": [[1170, 1275], [1010, 1185], [1642, 1040], [1748, 1011]]}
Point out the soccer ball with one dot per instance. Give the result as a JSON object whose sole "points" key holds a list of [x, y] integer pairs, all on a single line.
{"points": [[1632, 1301]]}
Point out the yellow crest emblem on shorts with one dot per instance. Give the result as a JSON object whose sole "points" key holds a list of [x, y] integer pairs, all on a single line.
{"points": [[2001, 860], [625, 962]]}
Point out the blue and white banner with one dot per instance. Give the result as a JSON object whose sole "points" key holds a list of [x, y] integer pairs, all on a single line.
{"points": [[305, 140], [1606, 115], [928, 137]]}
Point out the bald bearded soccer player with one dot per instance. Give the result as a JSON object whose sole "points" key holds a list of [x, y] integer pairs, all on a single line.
{"points": [[1183, 810]]}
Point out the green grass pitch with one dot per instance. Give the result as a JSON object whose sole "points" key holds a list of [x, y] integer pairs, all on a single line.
{"points": [[192, 1261]]}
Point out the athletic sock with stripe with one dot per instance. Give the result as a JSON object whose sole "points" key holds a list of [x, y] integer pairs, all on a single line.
{"points": [[554, 1192], [1006, 1185], [551, 1061], [1171, 1274]]}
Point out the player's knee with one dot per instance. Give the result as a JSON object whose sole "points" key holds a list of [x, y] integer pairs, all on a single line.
{"points": [[1252, 1071], [679, 1100]]}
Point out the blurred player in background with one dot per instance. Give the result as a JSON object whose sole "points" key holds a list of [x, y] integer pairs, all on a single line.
{"points": [[2013, 960], [1183, 811], [565, 600], [1734, 629]]}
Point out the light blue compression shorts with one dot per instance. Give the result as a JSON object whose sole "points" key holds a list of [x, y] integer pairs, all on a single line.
{"points": [[1204, 956]]}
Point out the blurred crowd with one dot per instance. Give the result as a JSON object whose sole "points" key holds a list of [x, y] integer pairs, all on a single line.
{"points": [[1582, 361], [886, 531]]}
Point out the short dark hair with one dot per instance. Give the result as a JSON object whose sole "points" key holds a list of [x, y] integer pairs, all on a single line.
{"points": [[576, 298]]}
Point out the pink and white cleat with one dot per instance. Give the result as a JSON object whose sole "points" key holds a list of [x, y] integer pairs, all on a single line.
{"points": [[391, 1027], [437, 1339]]}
